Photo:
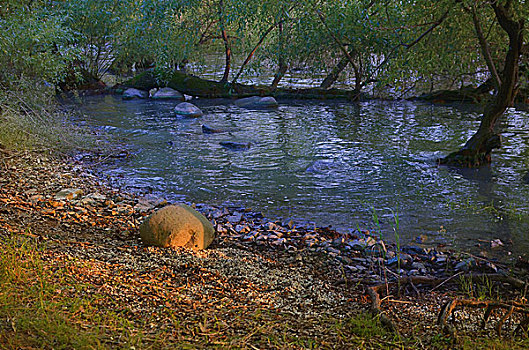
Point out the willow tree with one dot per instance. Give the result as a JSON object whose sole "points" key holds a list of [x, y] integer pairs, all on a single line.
{"points": [[510, 16]]}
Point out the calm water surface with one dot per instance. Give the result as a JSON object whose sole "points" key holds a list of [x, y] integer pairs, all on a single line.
{"points": [[340, 164]]}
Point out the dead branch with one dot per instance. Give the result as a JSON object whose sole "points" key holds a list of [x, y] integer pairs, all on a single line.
{"points": [[377, 311], [489, 306], [511, 306]]}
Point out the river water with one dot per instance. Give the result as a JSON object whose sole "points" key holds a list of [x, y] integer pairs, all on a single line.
{"points": [[368, 165]]}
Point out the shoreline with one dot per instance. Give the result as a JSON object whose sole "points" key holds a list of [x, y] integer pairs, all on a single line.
{"points": [[314, 275]]}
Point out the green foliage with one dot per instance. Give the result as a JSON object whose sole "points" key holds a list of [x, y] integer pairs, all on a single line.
{"points": [[426, 44], [34, 43]]}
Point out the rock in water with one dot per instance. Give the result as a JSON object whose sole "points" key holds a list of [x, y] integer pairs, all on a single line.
{"points": [[235, 145], [131, 94], [167, 93], [256, 102], [187, 109], [208, 130], [177, 226], [525, 178]]}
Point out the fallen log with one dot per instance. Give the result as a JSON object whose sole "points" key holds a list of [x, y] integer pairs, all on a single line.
{"points": [[198, 87]]}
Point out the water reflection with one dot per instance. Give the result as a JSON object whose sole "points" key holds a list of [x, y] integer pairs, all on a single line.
{"points": [[331, 163]]}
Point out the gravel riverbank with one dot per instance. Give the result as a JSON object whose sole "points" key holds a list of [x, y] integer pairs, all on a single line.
{"points": [[304, 278]]}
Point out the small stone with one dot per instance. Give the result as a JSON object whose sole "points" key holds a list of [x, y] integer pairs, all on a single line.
{"points": [[413, 249], [357, 244], [68, 193], [419, 267], [242, 228], [465, 265], [93, 199], [404, 259], [338, 241], [278, 242], [333, 250], [217, 214], [496, 243], [36, 198], [236, 217], [370, 241], [351, 268]]}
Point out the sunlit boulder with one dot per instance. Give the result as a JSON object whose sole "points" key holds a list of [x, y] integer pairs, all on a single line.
{"points": [[177, 226]]}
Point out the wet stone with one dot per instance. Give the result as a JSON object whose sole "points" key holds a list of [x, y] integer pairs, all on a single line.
{"points": [[333, 250], [465, 265], [419, 267], [357, 244]]}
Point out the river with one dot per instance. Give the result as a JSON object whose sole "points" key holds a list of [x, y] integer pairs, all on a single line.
{"points": [[368, 165]]}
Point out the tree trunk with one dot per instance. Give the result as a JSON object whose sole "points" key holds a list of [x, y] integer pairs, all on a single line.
{"points": [[477, 150], [227, 46], [279, 75], [282, 65]]}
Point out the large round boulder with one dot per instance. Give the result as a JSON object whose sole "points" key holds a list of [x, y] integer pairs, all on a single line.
{"points": [[167, 93], [131, 93], [188, 110], [177, 226], [257, 102]]}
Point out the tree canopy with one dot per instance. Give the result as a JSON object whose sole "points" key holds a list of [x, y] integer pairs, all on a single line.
{"points": [[376, 45]]}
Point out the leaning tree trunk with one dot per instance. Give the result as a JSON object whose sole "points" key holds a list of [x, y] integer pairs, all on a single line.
{"points": [[477, 150], [331, 78], [282, 65]]}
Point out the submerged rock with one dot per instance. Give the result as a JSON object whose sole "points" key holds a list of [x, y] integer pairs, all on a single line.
{"points": [[167, 93], [188, 110], [322, 166], [256, 102], [525, 178], [236, 145], [177, 226], [132, 93]]}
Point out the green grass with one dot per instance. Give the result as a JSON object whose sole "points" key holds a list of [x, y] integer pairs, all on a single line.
{"points": [[32, 312]]}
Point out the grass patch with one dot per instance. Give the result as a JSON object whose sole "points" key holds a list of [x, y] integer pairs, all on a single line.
{"points": [[30, 119]]}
